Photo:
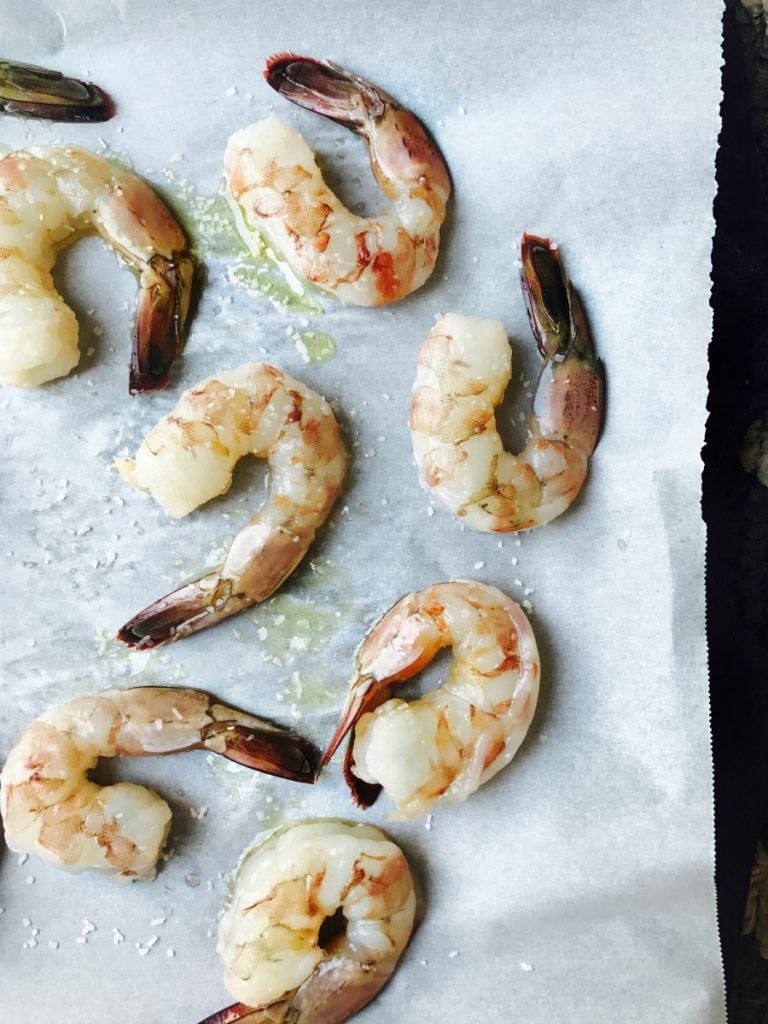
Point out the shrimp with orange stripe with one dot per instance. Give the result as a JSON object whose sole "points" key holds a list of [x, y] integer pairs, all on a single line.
{"points": [[439, 749], [277, 189]]}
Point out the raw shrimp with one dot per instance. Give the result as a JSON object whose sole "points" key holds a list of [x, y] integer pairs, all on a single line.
{"points": [[188, 458], [285, 888], [464, 368], [441, 748], [276, 188], [52, 809], [30, 91], [51, 196]]}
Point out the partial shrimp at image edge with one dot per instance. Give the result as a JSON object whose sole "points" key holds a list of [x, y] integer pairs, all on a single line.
{"points": [[320, 913], [30, 91], [239, 1013], [277, 189], [52, 809], [464, 367], [51, 196], [439, 749]]}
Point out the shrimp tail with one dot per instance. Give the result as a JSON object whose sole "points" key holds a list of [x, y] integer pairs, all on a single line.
{"points": [[30, 91], [242, 1014], [569, 399], [365, 695], [164, 301], [364, 794], [325, 88], [186, 610], [255, 743]]}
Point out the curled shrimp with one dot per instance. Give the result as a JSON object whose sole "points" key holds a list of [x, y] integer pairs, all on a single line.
{"points": [[277, 189], [188, 458], [438, 750], [464, 367], [51, 196], [30, 91], [50, 807], [285, 888]]}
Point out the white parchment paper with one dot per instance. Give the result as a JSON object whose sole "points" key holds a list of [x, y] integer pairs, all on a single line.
{"points": [[577, 886]]}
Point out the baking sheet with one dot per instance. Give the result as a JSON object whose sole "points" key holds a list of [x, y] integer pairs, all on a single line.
{"points": [[576, 885]]}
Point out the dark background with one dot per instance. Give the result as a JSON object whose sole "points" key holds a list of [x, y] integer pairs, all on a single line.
{"points": [[735, 503]]}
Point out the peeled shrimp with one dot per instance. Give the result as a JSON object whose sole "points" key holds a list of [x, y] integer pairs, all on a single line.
{"points": [[464, 367], [50, 807], [438, 750], [51, 196], [276, 188], [188, 458], [285, 888]]}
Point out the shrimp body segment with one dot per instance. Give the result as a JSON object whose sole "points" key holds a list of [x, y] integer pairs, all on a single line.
{"points": [[439, 749], [50, 197], [464, 367], [284, 890], [188, 458], [277, 189], [51, 808]]}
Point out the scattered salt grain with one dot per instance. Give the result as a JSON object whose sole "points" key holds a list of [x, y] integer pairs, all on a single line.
{"points": [[170, 952], [22, 859], [428, 823], [525, 967], [117, 936], [479, 565], [453, 954], [53, 944], [232, 90]]}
